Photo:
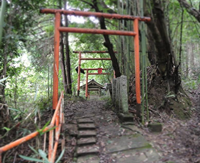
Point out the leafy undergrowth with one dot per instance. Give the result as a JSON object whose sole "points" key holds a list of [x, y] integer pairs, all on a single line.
{"points": [[20, 130], [161, 96]]}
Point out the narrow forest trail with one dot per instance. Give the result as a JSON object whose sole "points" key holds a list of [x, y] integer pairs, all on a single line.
{"points": [[179, 141], [95, 135]]}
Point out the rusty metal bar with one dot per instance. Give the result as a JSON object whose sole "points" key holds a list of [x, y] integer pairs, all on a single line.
{"points": [[56, 60], [92, 52], [95, 58], [79, 73], [97, 14], [51, 141], [96, 31], [137, 61], [56, 111], [34, 134], [22, 140], [51, 133], [56, 144]]}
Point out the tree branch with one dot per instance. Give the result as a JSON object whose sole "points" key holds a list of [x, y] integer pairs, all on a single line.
{"points": [[90, 4], [190, 9]]}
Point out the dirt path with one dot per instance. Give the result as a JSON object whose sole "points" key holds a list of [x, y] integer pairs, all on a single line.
{"points": [[113, 141]]}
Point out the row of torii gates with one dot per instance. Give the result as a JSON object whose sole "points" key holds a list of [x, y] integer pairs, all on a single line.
{"points": [[88, 69], [58, 117], [58, 29]]}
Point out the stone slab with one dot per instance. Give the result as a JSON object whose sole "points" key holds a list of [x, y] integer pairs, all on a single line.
{"points": [[88, 159], [85, 120], [125, 117], [88, 149], [123, 94], [86, 126], [143, 155], [87, 133], [125, 142], [131, 127], [85, 141]]}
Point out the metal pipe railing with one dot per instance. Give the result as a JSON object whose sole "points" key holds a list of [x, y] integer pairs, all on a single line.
{"points": [[57, 118]]}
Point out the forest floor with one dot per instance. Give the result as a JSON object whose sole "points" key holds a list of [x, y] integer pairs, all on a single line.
{"points": [[114, 142], [179, 141]]}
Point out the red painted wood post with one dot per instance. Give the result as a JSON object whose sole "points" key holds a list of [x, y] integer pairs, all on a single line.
{"points": [[137, 61], [79, 73], [86, 85], [56, 59]]}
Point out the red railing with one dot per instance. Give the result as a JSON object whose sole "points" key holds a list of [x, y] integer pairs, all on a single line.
{"points": [[57, 121]]}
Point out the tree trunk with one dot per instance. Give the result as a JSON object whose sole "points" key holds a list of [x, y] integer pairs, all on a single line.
{"points": [[63, 62], [107, 42], [68, 63], [158, 30], [192, 67], [187, 60]]}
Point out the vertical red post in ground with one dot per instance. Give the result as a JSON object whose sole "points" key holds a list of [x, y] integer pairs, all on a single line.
{"points": [[56, 59], [137, 60], [86, 85], [79, 73]]}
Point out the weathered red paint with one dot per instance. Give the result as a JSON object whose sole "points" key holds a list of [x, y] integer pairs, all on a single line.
{"points": [[96, 31], [86, 85], [79, 73], [97, 14], [98, 73], [92, 52], [137, 60], [56, 59], [95, 58], [94, 69]]}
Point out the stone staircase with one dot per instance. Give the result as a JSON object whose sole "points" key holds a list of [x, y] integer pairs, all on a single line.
{"points": [[87, 150]]}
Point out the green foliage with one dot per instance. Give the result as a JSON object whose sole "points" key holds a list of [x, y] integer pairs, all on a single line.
{"points": [[190, 84], [2, 14], [41, 154], [41, 131]]}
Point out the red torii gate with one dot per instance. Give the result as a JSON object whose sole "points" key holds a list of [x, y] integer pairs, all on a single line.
{"points": [[86, 85], [59, 29], [79, 64]]}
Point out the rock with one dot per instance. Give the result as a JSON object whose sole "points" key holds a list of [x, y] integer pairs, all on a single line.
{"points": [[155, 127]]}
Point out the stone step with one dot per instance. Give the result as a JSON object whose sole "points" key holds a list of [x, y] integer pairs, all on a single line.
{"points": [[125, 118], [85, 120], [88, 159], [86, 141], [86, 126], [87, 133], [86, 150]]}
